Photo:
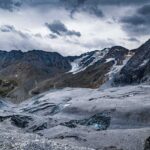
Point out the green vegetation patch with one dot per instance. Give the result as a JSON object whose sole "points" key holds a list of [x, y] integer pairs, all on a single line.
{"points": [[7, 86]]}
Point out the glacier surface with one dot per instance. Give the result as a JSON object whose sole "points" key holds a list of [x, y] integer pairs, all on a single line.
{"points": [[74, 118]]}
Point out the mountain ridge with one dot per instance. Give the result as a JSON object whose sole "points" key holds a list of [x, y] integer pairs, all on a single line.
{"points": [[24, 74]]}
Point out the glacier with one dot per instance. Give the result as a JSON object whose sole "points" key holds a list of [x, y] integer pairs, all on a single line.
{"points": [[117, 117]]}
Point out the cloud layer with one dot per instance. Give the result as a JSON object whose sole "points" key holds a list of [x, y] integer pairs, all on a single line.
{"points": [[73, 26], [139, 22]]}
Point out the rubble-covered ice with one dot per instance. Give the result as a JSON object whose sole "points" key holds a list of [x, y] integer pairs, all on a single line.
{"points": [[114, 118]]}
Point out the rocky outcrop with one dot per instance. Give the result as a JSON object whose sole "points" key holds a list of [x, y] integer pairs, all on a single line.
{"points": [[98, 122], [137, 69], [147, 144]]}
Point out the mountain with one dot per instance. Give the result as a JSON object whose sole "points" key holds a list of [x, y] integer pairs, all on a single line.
{"points": [[90, 70], [75, 102], [137, 70], [27, 69], [24, 74]]}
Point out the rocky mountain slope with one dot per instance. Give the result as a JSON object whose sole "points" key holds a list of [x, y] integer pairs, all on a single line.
{"points": [[90, 70], [34, 72], [137, 69], [28, 69]]}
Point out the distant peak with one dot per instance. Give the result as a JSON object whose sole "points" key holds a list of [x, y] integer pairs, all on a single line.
{"points": [[118, 47], [147, 43]]}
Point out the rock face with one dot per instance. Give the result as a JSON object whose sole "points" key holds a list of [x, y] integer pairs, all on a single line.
{"points": [[98, 121], [147, 144], [137, 69]]}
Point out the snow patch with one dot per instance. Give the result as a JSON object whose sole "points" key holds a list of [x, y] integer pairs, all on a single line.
{"points": [[114, 71], [144, 62], [110, 59], [78, 64]]}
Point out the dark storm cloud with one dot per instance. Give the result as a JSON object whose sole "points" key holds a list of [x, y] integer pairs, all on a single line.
{"points": [[93, 10], [122, 2], [90, 6], [145, 10], [10, 4], [138, 23], [94, 6], [77, 3], [134, 20], [11, 29], [82, 2], [60, 29]]}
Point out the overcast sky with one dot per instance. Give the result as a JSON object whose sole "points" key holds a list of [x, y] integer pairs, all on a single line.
{"points": [[72, 27]]}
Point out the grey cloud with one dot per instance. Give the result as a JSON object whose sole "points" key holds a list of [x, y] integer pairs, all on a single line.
{"points": [[60, 29], [145, 10], [52, 36], [122, 2], [95, 11], [136, 27], [89, 6], [136, 31], [10, 28], [7, 28], [10, 4], [91, 9], [16, 39], [138, 23], [76, 3], [84, 5], [38, 35], [133, 39], [94, 6], [134, 20]]}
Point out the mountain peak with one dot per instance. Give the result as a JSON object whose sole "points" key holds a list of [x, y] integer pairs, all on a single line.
{"points": [[147, 43]]}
